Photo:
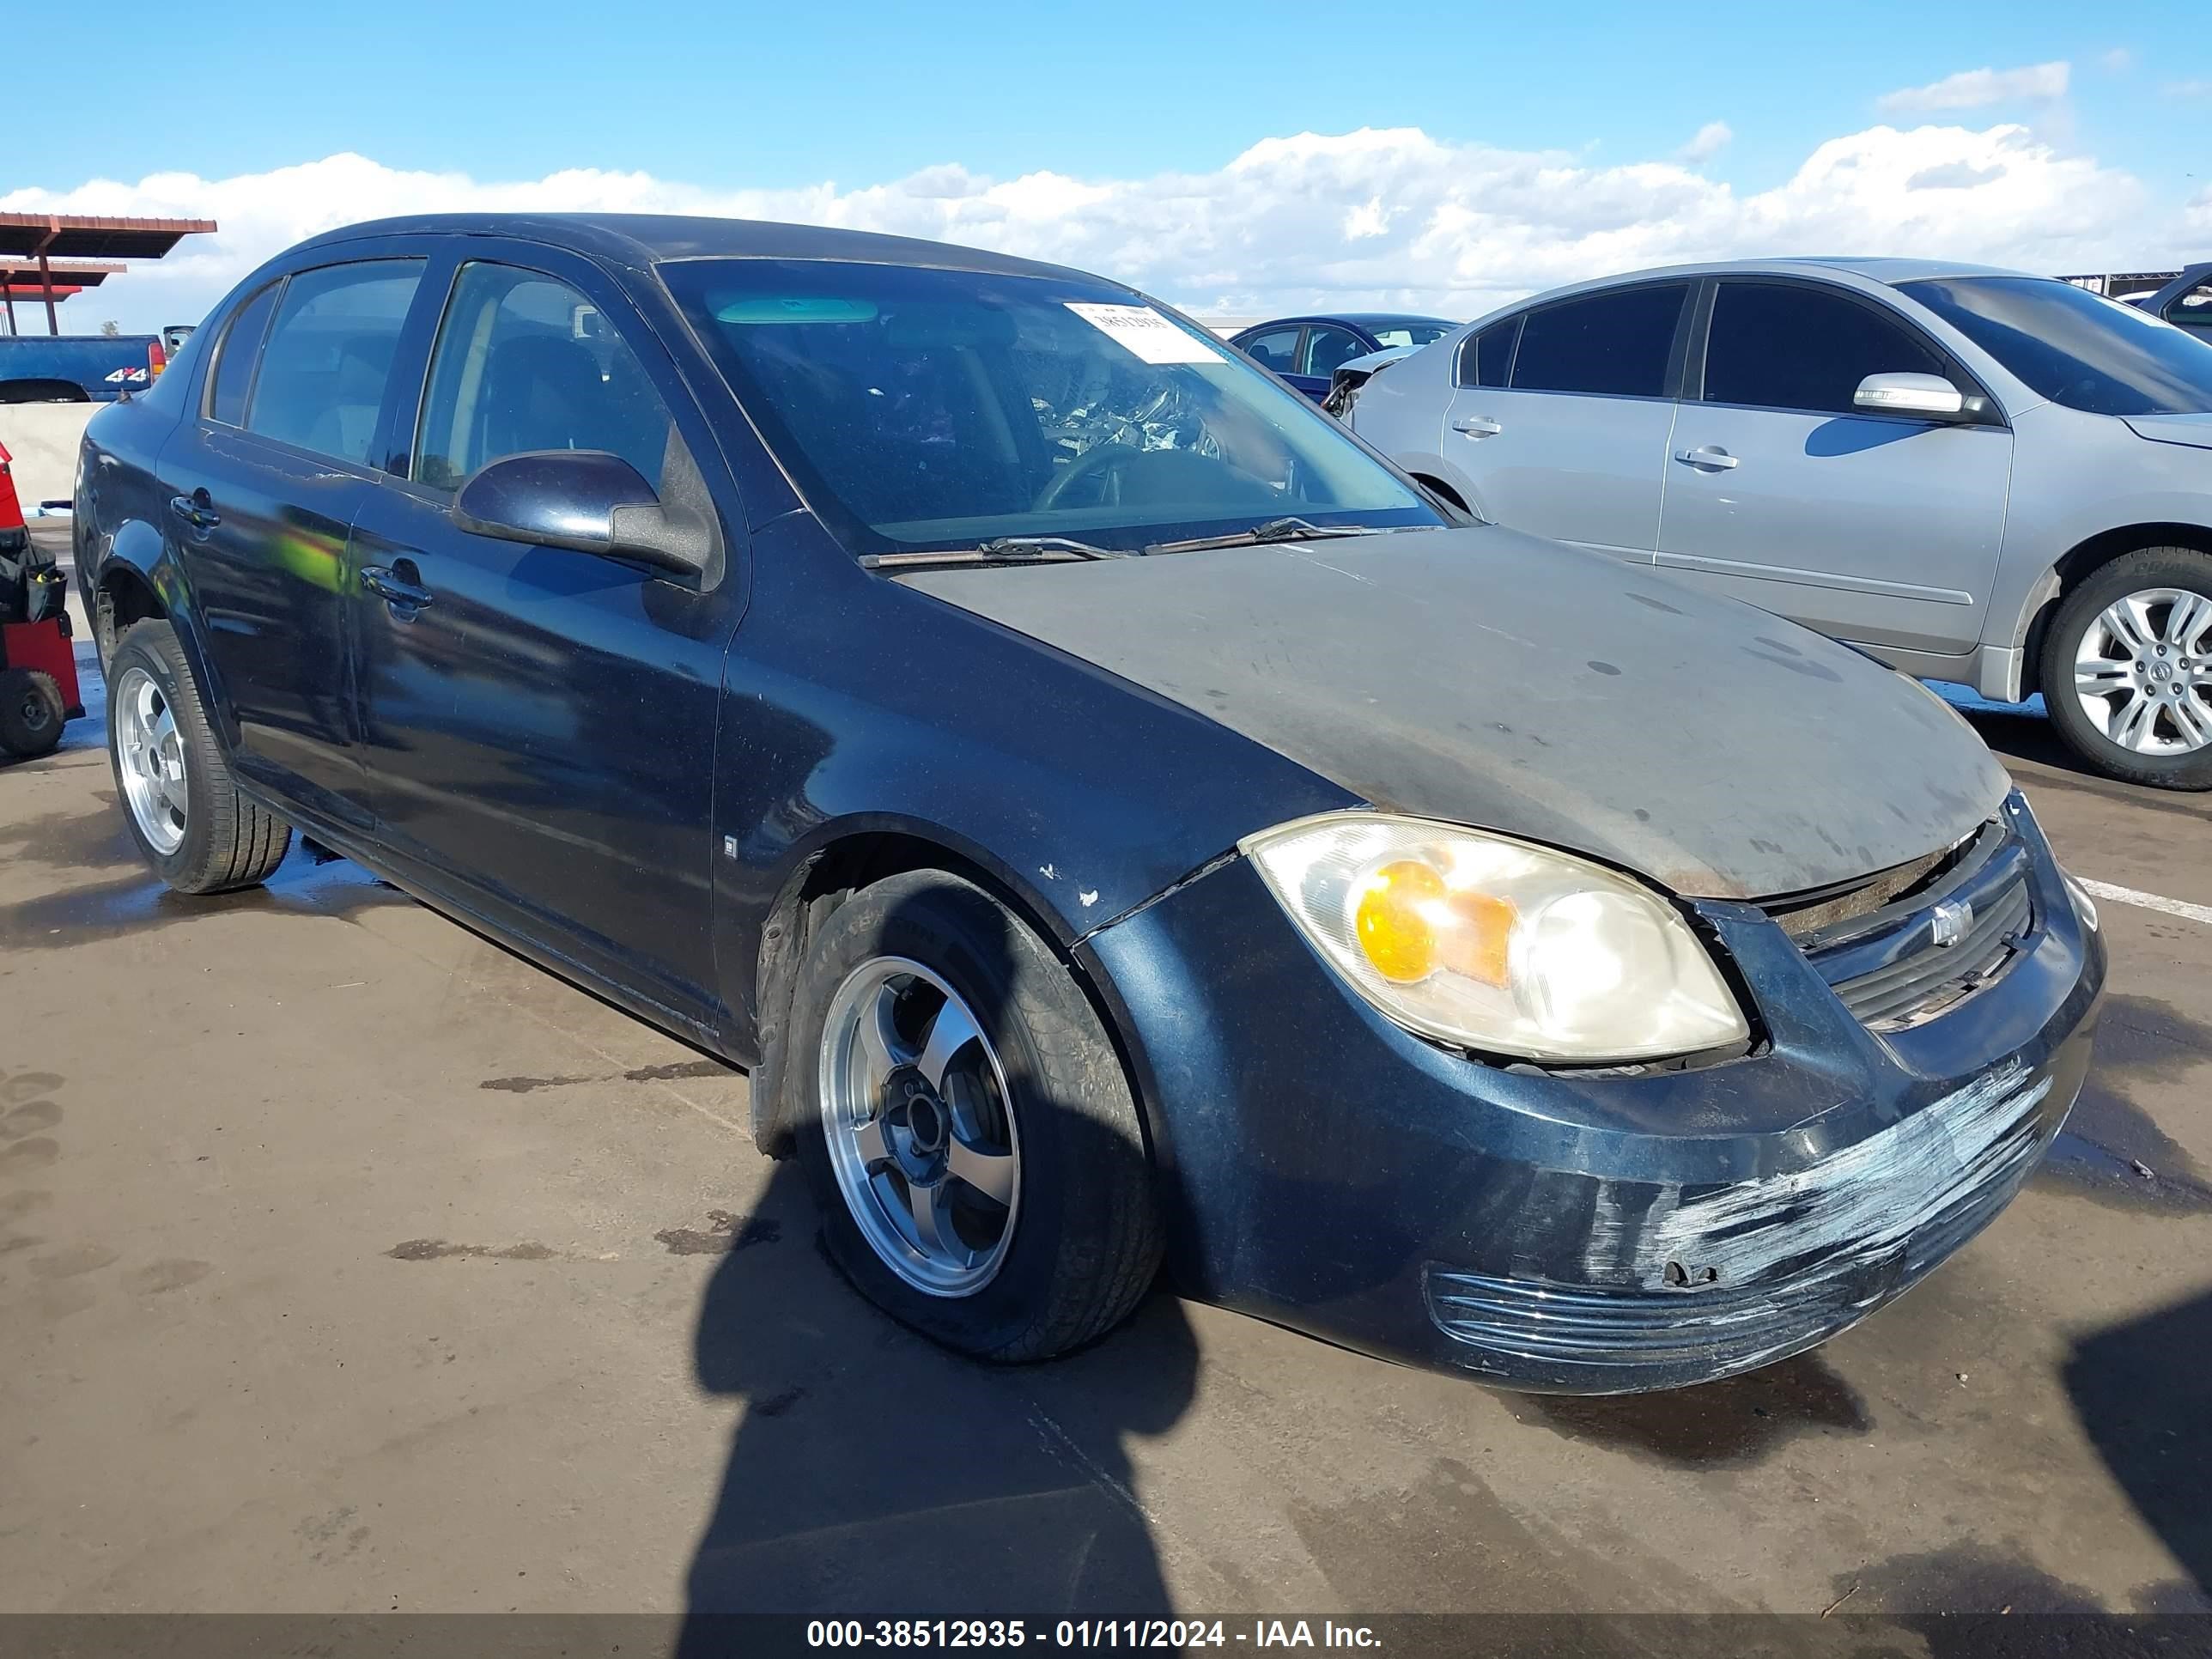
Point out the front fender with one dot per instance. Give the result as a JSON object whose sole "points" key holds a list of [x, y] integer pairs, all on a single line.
{"points": [[854, 706]]}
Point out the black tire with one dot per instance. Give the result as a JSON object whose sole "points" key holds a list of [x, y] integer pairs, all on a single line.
{"points": [[229, 842], [2179, 567], [1086, 1241], [31, 713]]}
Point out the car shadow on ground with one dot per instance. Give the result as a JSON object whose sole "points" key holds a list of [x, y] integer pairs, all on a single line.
{"points": [[2143, 1392], [2023, 732], [874, 1474]]}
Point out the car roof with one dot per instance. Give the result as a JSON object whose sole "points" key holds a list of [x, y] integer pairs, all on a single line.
{"points": [[1875, 268], [1369, 320], [646, 239]]}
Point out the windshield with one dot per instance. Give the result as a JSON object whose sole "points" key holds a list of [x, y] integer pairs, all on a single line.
{"points": [[2075, 348], [1410, 334], [926, 409]]}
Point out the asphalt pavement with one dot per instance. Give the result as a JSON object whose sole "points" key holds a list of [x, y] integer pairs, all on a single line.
{"points": [[349, 1263]]}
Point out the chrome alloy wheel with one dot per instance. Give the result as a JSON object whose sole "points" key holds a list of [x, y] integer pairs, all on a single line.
{"points": [[2143, 672], [150, 754], [920, 1131]]}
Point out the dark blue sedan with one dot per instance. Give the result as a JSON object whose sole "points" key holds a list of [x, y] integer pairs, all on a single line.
{"points": [[1113, 816], [1307, 350]]}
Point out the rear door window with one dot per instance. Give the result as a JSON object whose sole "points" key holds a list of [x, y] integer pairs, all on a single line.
{"points": [[1327, 347], [241, 350], [1486, 359], [1277, 350], [524, 362], [328, 358], [1783, 345], [1616, 344]]}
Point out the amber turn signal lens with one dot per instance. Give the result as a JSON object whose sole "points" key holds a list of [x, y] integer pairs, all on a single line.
{"points": [[1410, 923], [1393, 919]]}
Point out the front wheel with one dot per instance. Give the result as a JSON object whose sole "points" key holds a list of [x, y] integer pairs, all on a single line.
{"points": [[2127, 669], [966, 1125], [185, 812]]}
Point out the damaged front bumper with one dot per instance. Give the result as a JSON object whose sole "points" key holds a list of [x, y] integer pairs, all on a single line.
{"points": [[1580, 1231]]}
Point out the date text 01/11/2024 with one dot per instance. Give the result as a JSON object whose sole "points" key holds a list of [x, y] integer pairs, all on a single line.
{"points": [[1171, 1633]]}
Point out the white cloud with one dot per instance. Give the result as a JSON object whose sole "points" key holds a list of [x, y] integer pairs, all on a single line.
{"points": [[2040, 83], [1710, 141], [2118, 61], [2189, 89], [1379, 218]]}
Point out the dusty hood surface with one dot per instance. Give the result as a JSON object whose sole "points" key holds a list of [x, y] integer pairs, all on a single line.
{"points": [[1493, 679]]}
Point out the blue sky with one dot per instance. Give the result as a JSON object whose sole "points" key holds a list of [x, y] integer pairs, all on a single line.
{"points": [[737, 99]]}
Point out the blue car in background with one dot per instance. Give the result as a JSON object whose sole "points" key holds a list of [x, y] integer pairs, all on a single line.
{"points": [[1306, 350]]}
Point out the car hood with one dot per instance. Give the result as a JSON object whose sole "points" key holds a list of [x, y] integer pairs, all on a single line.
{"points": [[1493, 679], [2195, 430]]}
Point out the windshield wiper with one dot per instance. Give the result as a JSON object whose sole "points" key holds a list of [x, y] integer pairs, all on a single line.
{"points": [[999, 549], [1275, 530]]}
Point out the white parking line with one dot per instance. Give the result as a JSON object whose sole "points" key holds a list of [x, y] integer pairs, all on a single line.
{"points": [[2104, 889]]}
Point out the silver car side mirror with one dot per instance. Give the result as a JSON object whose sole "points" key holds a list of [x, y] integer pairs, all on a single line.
{"points": [[1911, 394]]}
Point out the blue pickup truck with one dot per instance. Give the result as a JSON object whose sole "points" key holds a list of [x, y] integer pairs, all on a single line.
{"points": [[76, 368]]}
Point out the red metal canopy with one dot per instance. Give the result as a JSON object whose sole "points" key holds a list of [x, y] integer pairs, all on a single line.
{"points": [[79, 236], [39, 239]]}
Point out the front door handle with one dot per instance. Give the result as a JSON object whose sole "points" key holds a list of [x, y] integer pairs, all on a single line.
{"points": [[397, 588], [197, 509], [1709, 455], [1477, 426]]}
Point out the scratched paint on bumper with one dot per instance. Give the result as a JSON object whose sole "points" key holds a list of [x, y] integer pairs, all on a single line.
{"points": [[1724, 1279]]}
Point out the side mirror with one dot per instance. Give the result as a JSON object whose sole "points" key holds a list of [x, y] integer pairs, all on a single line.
{"points": [[1931, 395], [588, 500]]}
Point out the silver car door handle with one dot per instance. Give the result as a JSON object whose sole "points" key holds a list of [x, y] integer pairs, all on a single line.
{"points": [[1478, 426], [1707, 455]]}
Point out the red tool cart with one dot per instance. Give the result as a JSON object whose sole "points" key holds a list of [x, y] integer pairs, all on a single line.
{"points": [[38, 663]]}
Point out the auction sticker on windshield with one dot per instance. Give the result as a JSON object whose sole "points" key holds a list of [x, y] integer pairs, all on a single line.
{"points": [[1145, 333]]}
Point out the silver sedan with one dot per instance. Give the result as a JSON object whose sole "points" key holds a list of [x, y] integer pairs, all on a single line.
{"points": [[1977, 475]]}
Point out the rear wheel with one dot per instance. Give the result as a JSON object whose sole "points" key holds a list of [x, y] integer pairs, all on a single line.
{"points": [[31, 713], [185, 812], [966, 1125], [2127, 669]]}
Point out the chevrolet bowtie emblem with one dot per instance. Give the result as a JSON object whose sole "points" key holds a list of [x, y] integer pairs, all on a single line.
{"points": [[1950, 920]]}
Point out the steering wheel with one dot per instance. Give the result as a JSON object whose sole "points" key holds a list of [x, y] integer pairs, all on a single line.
{"points": [[1098, 459]]}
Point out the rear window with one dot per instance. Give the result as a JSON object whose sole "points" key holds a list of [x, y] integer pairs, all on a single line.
{"points": [[1615, 344], [1409, 334], [2075, 348], [322, 372]]}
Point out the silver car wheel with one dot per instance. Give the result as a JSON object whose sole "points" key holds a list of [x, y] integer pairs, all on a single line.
{"points": [[2142, 673], [150, 755], [918, 1127]]}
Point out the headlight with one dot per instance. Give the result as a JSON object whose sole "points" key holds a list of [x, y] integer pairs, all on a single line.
{"points": [[1495, 944]]}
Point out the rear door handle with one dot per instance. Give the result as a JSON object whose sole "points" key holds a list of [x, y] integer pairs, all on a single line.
{"points": [[395, 587], [1709, 455], [196, 510], [1477, 426]]}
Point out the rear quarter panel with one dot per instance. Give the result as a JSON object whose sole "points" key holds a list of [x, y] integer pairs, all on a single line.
{"points": [[120, 518]]}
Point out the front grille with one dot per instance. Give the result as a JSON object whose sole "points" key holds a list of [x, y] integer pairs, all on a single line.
{"points": [[1884, 961], [1933, 978]]}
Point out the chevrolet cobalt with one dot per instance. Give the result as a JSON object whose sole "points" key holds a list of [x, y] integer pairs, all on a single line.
{"points": [[1114, 815]]}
